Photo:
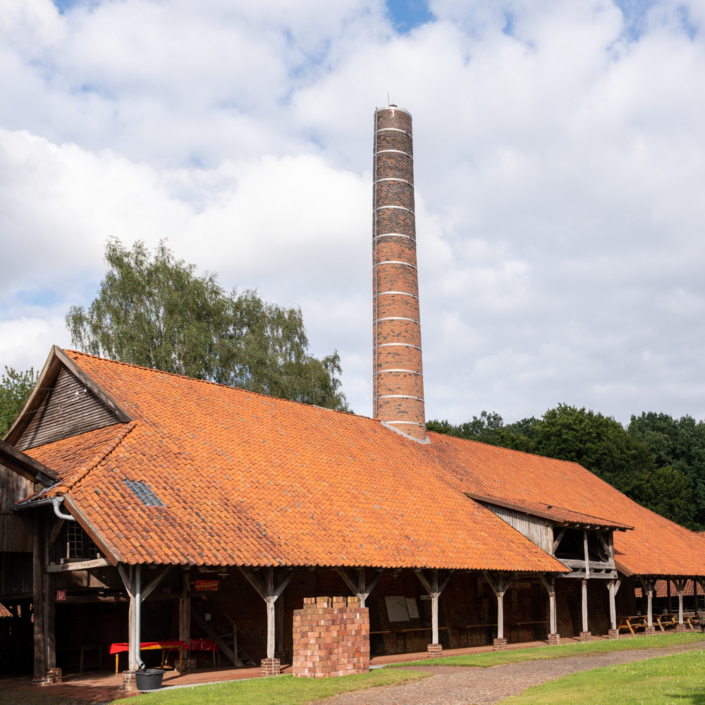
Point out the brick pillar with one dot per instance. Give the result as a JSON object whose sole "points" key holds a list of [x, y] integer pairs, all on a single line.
{"points": [[650, 631], [554, 639], [434, 650], [129, 682], [681, 628], [271, 667], [499, 645], [613, 634], [331, 638], [585, 636], [398, 392]]}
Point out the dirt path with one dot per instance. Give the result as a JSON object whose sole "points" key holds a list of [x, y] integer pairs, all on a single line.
{"points": [[454, 685]]}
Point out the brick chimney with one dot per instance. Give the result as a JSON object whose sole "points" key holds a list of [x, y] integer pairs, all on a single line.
{"points": [[398, 372]]}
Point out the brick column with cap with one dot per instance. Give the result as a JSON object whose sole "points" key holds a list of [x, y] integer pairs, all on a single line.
{"points": [[398, 394]]}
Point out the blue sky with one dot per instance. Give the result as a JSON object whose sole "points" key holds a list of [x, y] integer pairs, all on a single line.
{"points": [[559, 175]]}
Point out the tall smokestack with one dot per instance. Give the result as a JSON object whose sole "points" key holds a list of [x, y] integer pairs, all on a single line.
{"points": [[398, 372]]}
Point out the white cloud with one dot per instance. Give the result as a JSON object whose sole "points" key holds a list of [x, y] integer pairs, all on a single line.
{"points": [[559, 147]]}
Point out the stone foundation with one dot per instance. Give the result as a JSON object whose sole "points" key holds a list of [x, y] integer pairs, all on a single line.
{"points": [[129, 682], [613, 634], [499, 645], [649, 631], [271, 667], [585, 636], [331, 638], [554, 639], [434, 650], [681, 628]]}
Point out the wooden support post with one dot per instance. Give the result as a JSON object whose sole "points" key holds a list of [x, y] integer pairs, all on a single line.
{"points": [[185, 611], [647, 588], [613, 605], [434, 589], [587, 557], [360, 589], [270, 594], [499, 585], [549, 582], [680, 587], [38, 597], [127, 573], [586, 630], [49, 588]]}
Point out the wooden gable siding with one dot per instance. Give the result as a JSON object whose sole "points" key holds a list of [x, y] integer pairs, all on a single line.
{"points": [[68, 410], [14, 535], [536, 529]]}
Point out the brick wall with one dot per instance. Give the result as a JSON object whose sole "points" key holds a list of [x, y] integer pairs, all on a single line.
{"points": [[331, 638], [397, 371]]}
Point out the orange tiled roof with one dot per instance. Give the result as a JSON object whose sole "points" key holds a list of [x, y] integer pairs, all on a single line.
{"points": [[238, 478], [4, 612], [656, 546]]}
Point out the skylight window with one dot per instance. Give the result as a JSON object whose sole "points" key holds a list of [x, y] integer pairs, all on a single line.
{"points": [[144, 493]]}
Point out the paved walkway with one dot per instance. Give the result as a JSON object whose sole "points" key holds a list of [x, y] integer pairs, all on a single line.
{"points": [[462, 685]]}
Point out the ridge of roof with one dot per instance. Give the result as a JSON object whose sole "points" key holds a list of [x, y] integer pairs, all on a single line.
{"points": [[242, 390]]}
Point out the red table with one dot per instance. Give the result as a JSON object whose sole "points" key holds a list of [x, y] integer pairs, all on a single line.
{"points": [[169, 645]]}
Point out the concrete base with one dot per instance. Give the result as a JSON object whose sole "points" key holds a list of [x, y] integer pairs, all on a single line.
{"points": [[42, 681], [554, 639], [613, 634], [649, 631], [585, 636], [434, 650], [129, 682], [499, 645], [271, 667], [681, 628]]}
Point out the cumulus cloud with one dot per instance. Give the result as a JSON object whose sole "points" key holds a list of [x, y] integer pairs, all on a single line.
{"points": [[560, 154]]}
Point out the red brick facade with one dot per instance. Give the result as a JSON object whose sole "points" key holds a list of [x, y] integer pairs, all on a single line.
{"points": [[331, 638], [398, 370]]}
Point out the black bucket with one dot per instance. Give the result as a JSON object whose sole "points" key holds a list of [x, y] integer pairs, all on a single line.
{"points": [[149, 678]]}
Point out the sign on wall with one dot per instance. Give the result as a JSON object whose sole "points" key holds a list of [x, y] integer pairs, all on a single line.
{"points": [[412, 607], [206, 585], [397, 609], [61, 595]]}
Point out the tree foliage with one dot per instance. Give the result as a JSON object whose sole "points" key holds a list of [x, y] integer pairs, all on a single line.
{"points": [[657, 461], [14, 390], [158, 312]]}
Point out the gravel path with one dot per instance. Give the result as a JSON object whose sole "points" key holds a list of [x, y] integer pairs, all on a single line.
{"points": [[465, 685]]}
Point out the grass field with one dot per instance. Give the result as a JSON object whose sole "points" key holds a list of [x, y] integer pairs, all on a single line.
{"points": [[671, 680], [497, 658], [283, 690]]}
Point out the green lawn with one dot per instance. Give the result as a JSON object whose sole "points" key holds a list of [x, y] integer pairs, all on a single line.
{"points": [[671, 680], [497, 658], [283, 690]]}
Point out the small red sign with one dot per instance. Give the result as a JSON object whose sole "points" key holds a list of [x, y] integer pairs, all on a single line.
{"points": [[207, 585], [61, 595]]}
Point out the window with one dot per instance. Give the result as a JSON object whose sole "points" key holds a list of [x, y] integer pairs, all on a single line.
{"points": [[79, 544]]}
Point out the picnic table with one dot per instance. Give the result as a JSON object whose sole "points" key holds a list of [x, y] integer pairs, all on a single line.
{"points": [[164, 646], [661, 620]]}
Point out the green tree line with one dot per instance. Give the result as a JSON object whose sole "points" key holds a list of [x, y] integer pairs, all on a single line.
{"points": [[657, 460]]}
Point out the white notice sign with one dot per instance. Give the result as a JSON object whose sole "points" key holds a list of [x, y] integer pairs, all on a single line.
{"points": [[412, 607], [396, 609]]}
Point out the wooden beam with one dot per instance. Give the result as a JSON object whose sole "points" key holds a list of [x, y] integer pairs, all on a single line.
{"points": [[343, 573], [22, 464], [256, 583], [557, 542], [81, 565], [146, 592], [280, 588], [427, 585], [38, 599], [587, 556], [55, 529]]}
